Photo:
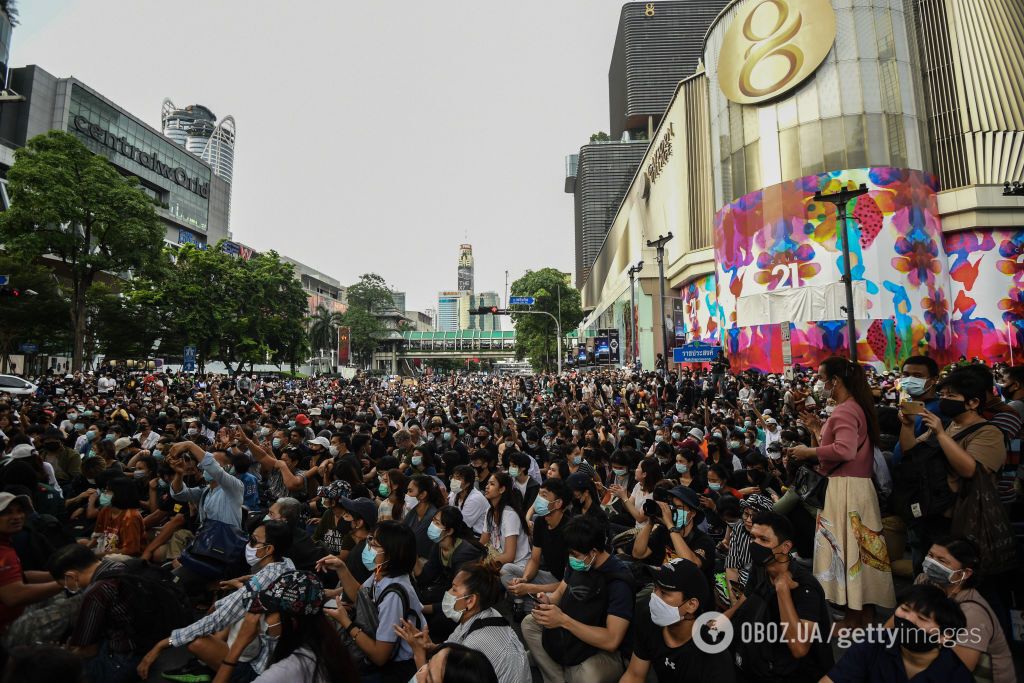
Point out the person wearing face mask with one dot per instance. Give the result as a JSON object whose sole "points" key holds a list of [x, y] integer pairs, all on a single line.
{"points": [[546, 566], [849, 527], [519, 471], [663, 639], [454, 546], [422, 500], [119, 527], [223, 501], [470, 604], [1012, 388], [66, 463], [920, 376], [674, 532], [391, 555], [205, 638], [780, 594], [952, 564], [917, 647], [737, 558], [470, 501], [575, 632]]}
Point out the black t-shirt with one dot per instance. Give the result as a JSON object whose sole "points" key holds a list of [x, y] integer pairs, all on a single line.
{"points": [[554, 553], [672, 664], [700, 543]]}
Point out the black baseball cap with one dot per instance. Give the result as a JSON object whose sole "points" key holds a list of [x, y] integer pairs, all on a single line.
{"points": [[685, 577], [363, 508]]}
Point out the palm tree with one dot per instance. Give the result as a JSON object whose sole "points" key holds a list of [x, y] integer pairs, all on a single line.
{"points": [[323, 329], [10, 8]]}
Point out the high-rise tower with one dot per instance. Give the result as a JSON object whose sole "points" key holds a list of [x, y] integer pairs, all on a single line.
{"points": [[465, 281], [196, 129]]}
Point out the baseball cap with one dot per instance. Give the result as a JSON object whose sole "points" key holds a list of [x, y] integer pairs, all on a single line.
{"points": [[122, 443], [302, 419], [686, 577], [697, 433], [296, 593], [7, 498], [22, 450], [363, 508], [771, 421], [336, 490], [319, 441]]}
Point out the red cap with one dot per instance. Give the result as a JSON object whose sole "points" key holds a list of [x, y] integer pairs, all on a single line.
{"points": [[301, 419]]}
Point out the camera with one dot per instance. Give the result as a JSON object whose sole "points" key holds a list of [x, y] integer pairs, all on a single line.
{"points": [[651, 508]]}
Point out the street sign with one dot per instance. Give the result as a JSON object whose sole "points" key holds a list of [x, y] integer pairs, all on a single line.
{"points": [[4, 279], [521, 301], [28, 348], [188, 363], [695, 352]]}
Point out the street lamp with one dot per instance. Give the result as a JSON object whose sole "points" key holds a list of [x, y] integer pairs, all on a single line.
{"points": [[659, 244], [633, 345], [840, 199]]}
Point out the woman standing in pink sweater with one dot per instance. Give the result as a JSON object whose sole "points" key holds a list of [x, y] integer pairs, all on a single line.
{"points": [[850, 557]]}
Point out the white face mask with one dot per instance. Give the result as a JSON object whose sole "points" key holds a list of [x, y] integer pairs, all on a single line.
{"points": [[448, 607], [456, 486], [333, 450], [410, 502], [662, 613], [250, 555]]}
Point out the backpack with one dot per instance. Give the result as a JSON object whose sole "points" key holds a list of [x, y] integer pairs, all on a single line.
{"points": [[920, 481], [157, 605], [45, 535], [367, 617], [500, 622], [585, 600]]}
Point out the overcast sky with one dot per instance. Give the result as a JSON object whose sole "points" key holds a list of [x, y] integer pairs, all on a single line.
{"points": [[373, 136]]}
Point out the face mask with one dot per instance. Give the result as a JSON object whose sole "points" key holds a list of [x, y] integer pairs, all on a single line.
{"points": [[819, 387], [417, 460], [541, 507], [913, 385], [938, 573], [575, 433], [192, 431], [715, 485], [447, 436], [676, 436], [250, 555], [411, 502], [276, 441], [578, 565], [339, 425], [158, 454], [448, 607], [912, 637], [105, 499], [682, 468], [462, 432], [139, 474], [662, 613], [531, 444], [434, 533], [90, 436], [658, 438], [622, 433], [333, 450], [717, 435], [369, 557], [829, 409], [456, 486], [951, 407], [577, 459], [761, 555], [734, 444], [384, 490], [207, 477], [747, 424], [619, 471], [681, 517], [72, 416]]}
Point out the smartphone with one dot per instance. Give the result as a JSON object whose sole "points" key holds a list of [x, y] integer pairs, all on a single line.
{"points": [[912, 407]]}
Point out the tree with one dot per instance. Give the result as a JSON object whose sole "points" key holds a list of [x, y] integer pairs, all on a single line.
{"points": [[74, 205], [323, 328], [536, 336], [368, 296], [29, 317], [600, 136], [10, 8]]}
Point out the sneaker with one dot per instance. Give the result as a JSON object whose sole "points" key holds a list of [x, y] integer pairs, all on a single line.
{"points": [[193, 671]]}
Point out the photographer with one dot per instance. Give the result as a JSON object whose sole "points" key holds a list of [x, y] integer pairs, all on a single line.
{"points": [[671, 531]]}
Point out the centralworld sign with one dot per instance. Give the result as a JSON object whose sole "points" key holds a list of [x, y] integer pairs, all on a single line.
{"points": [[772, 46], [150, 160]]}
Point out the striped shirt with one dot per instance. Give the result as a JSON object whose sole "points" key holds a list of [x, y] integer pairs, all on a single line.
{"points": [[499, 644], [104, 615], [233, 608]]}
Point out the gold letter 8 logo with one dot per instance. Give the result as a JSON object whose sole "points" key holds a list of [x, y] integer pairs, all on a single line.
{"points": [[771, 46]]}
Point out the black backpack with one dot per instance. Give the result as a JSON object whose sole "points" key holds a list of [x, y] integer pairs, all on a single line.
{"points": [[920, 481], [156, 603], [586, 600]]}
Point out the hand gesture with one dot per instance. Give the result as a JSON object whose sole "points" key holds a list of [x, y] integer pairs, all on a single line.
{"points": [[330, 563], [811, 421], [548, 615], [800, 452], [933, 422], [417, 639], [666, 514], [519, 587], [618, 491]]}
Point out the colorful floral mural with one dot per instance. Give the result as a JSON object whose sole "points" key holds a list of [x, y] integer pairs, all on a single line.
{"points": [[987, 311], [780, 238], [701, 311]]}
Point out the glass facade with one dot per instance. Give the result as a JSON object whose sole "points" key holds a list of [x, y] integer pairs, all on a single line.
{"points": [[135, 148]]}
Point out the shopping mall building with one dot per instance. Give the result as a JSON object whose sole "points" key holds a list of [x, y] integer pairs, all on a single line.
{"points": [[922, 101]]}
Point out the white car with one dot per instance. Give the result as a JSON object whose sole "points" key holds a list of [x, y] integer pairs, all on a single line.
{"points": [[11, 384]]}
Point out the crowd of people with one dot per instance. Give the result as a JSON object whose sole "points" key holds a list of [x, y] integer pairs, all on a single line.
{"points": [[599, 526]]}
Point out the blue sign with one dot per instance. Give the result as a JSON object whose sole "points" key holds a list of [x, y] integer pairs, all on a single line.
{"points": [[695, 352], [4, 279], [28, 348], [188, 363], [521, 301]]}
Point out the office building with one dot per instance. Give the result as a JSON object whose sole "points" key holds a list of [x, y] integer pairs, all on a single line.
{"points": [[448, 304], [196, 129], [907, 100], [488, 322], [192, 201], [656, 46], [465, 273], [398, 299], [322, 290]]}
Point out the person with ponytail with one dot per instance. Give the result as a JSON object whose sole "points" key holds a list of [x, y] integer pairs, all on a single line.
{"points": [[454, 545], [848, 541]]}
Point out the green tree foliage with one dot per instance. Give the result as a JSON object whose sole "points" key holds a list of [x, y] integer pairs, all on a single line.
{"points": [[31, 318], [536, 337], [369, 295], [74, 205], [323, 329], [600, 136]]}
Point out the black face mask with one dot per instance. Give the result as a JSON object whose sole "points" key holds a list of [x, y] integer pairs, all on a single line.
{"points": [[761, 555], [53, 446], [951, 407], [343, 526], [912, 637]]}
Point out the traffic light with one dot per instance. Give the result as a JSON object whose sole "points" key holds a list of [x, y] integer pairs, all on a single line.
{"points": [[488, 310], [9, 291]]}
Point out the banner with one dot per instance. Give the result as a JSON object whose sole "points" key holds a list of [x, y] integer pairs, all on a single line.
{"points": [[344, 345], [613, 345], [581, 353], [188, 363]]}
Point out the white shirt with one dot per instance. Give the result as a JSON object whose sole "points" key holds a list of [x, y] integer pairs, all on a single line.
{"points": [[474, 511], [149, 441], [510, 526]]}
